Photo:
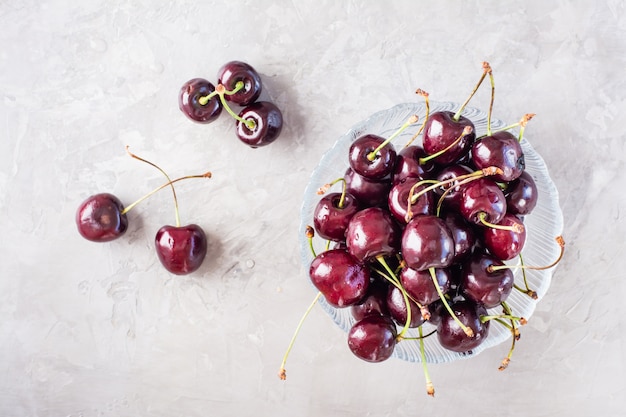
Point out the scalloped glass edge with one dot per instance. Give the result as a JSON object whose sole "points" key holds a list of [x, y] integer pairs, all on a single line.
{"points": [[543, 225]]}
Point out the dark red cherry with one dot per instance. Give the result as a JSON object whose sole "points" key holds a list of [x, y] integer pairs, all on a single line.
{"points": [[398, 199], [233, 72], [340, 277], [373, 338], [190, 104], [463, 233], [483, 286], [427, 243], [452, 337], [374, 301], [369, 192], [452, 189], [99, 218], [330, 220], [441, 131], [267, 124], [372, 232], [420, 285], [502, 150], [365, 162], [396, 304], [408, 164], [521, 195], [505, 244], [182, 249], [482, 199]]}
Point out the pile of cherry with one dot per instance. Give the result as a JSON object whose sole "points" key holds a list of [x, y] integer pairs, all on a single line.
{"points": [[182, 249], [423, 235]]}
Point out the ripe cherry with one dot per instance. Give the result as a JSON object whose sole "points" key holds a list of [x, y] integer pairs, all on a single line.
{"points": [[427, 243], [502, 150], [367, 191], [374, 301], [190, 103], [372, 232], [397, 306], [420, 286], [483, 285], [482, 202], [373, 338], [444, 132], [236, 71], [340, 277], [408, 164], [506, 239], [181, 249], [367, 159], [332, 214], [101, 218], [450, 334], [398, 199], [521, 195], [259, 124]]}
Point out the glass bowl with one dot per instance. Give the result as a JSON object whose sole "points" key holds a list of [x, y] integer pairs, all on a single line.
{"points": [[543, 225]]}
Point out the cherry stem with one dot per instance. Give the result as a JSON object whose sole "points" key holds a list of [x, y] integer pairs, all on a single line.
{"points": [[527, 117], [516, 228], [326, 187], [221, 92], [167, 184], [469, 332], [493, 95], [466, 131], [310, 233], [282, 373], [395, 281], [168, 179], [427, 103], [430, 388], [486, 70], [463, 179], [486, 172], [486, 318], [413, 119], [561, 243], [532, 294], [522, 123]]}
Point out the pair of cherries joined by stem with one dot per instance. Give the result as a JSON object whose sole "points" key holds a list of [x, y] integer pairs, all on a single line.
{"points": [[258, 123], [423, 235], [181, 249]]}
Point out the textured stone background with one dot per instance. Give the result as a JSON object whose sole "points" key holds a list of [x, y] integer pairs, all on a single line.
{"points": [[102, 330]]}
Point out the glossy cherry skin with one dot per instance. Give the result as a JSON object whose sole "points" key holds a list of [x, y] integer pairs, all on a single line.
{"points": [[481, 285], [369, 192], [501, 150], [340, 277], [408, 164], [99, 218], [374, 301], [189, 104], [452, 337], [521, 195], [505, 244], [182, 249], [398, 200], [330, 220], [441, 130], [268, 121], [373, 338], [234, 71], [427, 243], [420, 285], [381, 166], [463, 233], [398, 311], [372, 232], [452, 191], [482, 197]]}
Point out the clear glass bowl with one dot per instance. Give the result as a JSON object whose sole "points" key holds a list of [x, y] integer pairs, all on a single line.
{"points": [[543, 225]]}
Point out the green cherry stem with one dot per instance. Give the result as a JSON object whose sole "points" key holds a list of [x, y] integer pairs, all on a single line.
{"points": [[430, 388], [326, 187], [413, 119], [282, 373], [167, 184], [486, 70], [310, 233], [468, 331], [516, 228], [493, 95], [532, 294], [466, 131], [427, 104], [559, 240], [169, 180], [221, 92], [396, 282]]}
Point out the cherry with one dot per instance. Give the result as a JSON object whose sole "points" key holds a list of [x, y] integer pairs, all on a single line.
{"points": [[444, 132], [463, 234], [332, 215], [101, 218], [369, 192], [484, 285], [374, 301], [451, 335], [195, 109], [482, 202], [521, 195], [502, 150], [398, 200], [340, 277], [373, 338], [506, 242], [427, 243], [181, 249], [452, 196], [397, 306], [371, 233], [259, 124], [236, 71], [408, 164], [366, 159], [420, 286]]}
